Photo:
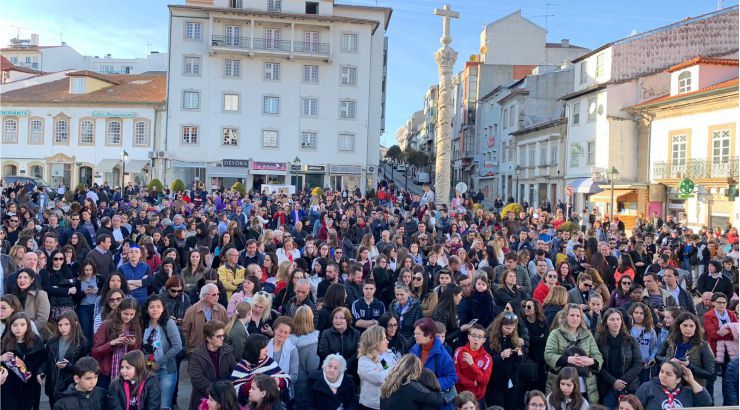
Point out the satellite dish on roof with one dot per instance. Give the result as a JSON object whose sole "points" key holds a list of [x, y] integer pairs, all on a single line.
{"points": [[461, 187]]}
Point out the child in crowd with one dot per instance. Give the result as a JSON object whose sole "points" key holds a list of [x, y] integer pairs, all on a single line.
{"points": [[84, 393]]}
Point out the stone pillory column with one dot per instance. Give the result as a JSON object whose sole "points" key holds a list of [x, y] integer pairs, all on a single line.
{"points": [[446, 58]]}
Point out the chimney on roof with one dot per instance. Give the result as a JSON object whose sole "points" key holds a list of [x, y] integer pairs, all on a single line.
{"points": [[64, 43], [108, 55], [34, 39], [565, 43]]}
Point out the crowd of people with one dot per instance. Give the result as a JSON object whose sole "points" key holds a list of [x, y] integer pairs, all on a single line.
{"points": [[335, 300]]}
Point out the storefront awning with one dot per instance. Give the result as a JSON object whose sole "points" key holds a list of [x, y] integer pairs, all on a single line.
{"points": [[606, 195], [585, 186], [136, 165], [107, 165]]}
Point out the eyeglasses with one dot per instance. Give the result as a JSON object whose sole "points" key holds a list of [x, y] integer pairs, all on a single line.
{"points": [[418, 278], [527, 307], [510, 316], [391, 325], [58, 259], [476, 337], [75, 219], [14, 221], [115, 299], [588, 285], [537, 406], [338, 252], [552, 276], [175, 291], [626, 283]]}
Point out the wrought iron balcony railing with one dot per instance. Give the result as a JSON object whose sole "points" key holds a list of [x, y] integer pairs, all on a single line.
{"points": [[697, 168], [310, 47], [231, 41]]}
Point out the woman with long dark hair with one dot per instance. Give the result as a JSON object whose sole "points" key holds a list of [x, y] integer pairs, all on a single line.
{"points": [[626, 268], [35, 302], [256, 360], [23, 353], [162, 343], [136, 384], [508, 350], [335, 297], [675, 386], [62, 352], [193, 272], [88, 285], [446, 312], [620, 373], [116, 281], [221, 396], [538, 330], [59, 284], [397, 344], [119, 334], [566, 392], [686, 346]]}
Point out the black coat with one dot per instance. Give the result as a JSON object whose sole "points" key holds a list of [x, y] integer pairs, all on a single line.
{"points": [[324, 399], [630, 371], [72, 399], [57, 380], [150, 398], [15, 393], [412, 396], [345, 344], [203, 374]]}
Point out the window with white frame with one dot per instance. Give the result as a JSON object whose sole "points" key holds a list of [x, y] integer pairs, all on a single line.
{"points": [[679, 145], [232, 68], [506, 118], [61, 131], [543, 154], [107, 69], [272, 71], [721, 146], [576, 114], [531, 151], [349, 42], [10, 130], [113, 133], [189, 135], [141, 133], [233, 35], [522, 156], [346, 142], [191, 100], [191, 65], [583, 72], [236, 4], [347, 109], [192, 30], [575, 155], [269, 139], [348, 75], [274, 5], [310, 107], [311, 41], [271, 105], [78, 85], [36, 131], [311, 74], [87, 132], [684, 82], [272, 38], [600, 61], [512, 117], [591, 153], [308, 141], [592, 109], [554, 155], [231, 102], [230, 137]]}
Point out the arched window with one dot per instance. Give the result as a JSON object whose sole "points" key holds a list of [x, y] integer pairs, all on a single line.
{"points": [[113, 133], [684, 82], [10, 130]]}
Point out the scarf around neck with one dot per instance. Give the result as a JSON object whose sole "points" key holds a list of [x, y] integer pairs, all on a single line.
{"points": [[336, 384]]}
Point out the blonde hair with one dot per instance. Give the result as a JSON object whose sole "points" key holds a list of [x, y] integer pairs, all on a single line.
{"points": [[303, 321], [369, 342], [243, 309], [562, 317], [283, 271], [405, 371], [558, 295], [266, 298]]}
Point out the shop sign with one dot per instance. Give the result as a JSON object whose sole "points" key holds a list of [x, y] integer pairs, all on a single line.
{"points": [[269, 166], [686, 189], [308, 168], [236, 163], [346, 169], [111, 114], [15, 113]]}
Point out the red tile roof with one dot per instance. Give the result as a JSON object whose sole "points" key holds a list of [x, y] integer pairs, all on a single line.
{"points": [[703, 60], [7, 65], [93, 74], [667, 98], [133, 89]]}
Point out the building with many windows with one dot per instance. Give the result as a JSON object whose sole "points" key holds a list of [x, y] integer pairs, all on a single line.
{"points": [[270, 91], [602, 135], [74, 130], [693, 136]]}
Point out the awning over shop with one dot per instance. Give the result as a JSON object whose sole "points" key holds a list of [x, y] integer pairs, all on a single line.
{"points": [[136, 165], [606, 195], [585, 186], [107, 165]]}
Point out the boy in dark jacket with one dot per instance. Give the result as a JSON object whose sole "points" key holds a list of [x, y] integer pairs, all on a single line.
{"points": [[84, 393]]}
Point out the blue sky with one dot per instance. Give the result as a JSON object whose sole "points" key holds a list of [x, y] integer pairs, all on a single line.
{"points": [[131, 28]]}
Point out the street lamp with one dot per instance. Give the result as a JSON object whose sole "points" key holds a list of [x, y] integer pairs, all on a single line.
{"points": [[518, 171], [612, 174], [124, 158], [297, 162]]}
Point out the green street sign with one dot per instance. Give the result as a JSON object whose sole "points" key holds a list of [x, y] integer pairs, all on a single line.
{"points": [[686, 186], [686, 196]]}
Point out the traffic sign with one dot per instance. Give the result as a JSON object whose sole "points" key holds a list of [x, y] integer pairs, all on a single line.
{"points": [[569, 190]]}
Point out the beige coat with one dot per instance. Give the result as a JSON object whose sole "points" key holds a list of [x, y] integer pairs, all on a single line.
{"points": [[193, 322]]}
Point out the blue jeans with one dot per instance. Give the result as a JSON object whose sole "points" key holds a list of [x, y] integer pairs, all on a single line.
{"points": [[610, 400], [167, 383], [85, 313]]}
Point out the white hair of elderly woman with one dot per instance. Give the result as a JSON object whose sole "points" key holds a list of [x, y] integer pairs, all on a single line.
{"points": [[338, 358], [208, 287]]}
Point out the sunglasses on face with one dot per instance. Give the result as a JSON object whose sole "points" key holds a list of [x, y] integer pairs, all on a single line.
{"points": [[58, 259], [118, 299]]}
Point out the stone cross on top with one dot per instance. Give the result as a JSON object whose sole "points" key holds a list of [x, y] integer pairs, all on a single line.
{"points": [[446, 13]]}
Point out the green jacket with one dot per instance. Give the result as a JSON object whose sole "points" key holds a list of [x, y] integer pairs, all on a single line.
{"points": [[558, 341]]}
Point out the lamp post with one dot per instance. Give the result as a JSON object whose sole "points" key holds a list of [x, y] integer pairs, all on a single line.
{"points": [[612, 174], [297, 162], [124, 158], [518, 171]]}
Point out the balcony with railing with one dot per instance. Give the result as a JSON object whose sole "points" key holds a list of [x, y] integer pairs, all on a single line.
{"points": [[697, 169], [304, 49]]}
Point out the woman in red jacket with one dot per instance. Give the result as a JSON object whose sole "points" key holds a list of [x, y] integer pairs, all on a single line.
{"points": [[715, 318], [118, 335]]}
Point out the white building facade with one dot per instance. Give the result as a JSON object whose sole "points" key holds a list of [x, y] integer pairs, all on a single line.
{"points": [[276, 92], [74, 130]]}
